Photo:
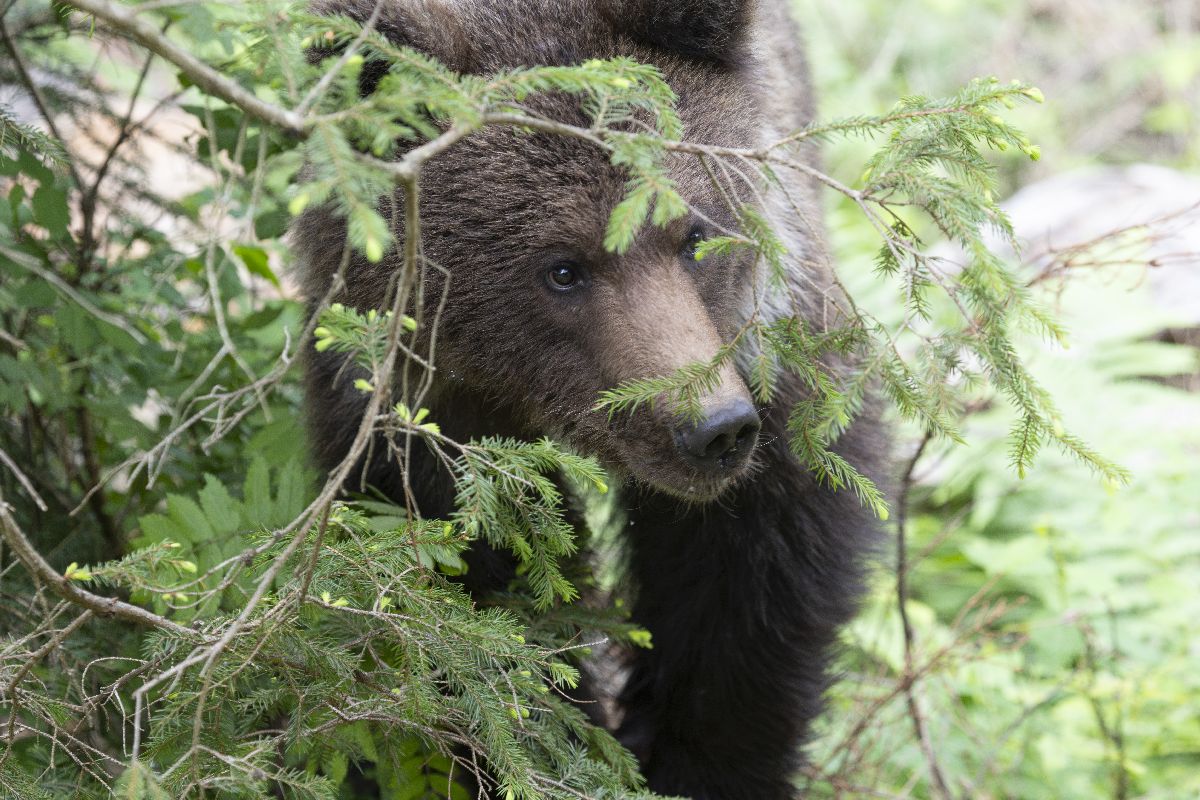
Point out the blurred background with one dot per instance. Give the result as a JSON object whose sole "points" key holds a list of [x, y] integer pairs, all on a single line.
{"points": [[1055, 620]]}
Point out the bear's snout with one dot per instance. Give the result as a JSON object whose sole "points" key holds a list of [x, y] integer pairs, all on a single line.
{"points": [[723, 440]]}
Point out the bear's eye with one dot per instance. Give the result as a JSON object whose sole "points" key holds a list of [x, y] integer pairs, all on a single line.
{"points": [[692, 242], [563, 275]]}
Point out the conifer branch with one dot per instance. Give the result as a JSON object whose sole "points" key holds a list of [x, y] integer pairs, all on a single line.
{"points": [[69, 589]]}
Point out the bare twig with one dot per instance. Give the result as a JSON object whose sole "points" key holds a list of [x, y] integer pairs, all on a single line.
{"points": [[87, 204], [126, 21], [68, 589], [42, 651], [28, 262], [936, 775], [1114, 731], [26, 484]]}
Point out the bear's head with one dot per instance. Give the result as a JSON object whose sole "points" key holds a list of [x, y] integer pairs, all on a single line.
{"points": [[539, 319]]}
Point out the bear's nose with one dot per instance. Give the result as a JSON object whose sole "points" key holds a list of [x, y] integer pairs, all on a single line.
{"points": [[722, 439]]}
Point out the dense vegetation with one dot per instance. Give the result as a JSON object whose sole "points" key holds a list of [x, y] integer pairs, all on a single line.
{"points": [[188, 610], [1054, 616]]}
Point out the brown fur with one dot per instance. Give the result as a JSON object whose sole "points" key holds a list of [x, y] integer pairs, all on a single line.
{"points": [[744, 586]]}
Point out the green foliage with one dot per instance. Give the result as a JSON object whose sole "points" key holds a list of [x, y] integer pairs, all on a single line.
{"points": [[139, 783], [301, 646], [17, 137], [145, 376], [650, 194], [683, 390], [931, 159], [506, 496], [345, 330], [1139, 102], [1053, 618]]}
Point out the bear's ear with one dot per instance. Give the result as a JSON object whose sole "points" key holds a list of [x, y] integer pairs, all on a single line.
{"points": [[706, 30], [424, 25]]}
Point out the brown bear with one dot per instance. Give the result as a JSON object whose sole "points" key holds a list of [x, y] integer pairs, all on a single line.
{"points": [[744, 565]]}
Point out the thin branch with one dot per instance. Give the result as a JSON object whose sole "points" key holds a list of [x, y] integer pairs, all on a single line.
{"points": [[23, 479], [87, 205], [147, 35], [28, 262], [936, 775], [322, 85], [1113, 732], [42, 651], [68, 589]]}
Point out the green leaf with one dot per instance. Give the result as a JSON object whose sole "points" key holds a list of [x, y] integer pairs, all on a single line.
{"points": [[292, 494], [189, 518], [50, 209], [668, 206], [257, 508], [219, 506], [256, 261], [158, 528]]}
